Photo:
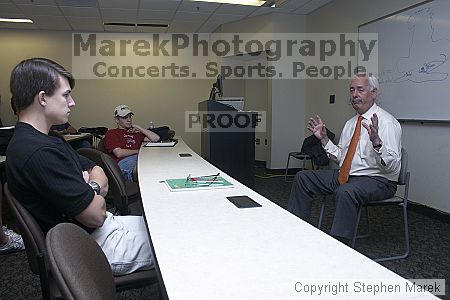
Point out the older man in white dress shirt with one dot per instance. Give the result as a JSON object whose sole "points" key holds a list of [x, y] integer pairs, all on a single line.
{"points": [[370, 164]]}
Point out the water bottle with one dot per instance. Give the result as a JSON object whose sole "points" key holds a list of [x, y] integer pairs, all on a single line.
{"points": [[150, 125]]}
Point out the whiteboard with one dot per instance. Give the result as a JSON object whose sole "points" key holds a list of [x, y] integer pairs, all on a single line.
{"points": [[414, 61]]}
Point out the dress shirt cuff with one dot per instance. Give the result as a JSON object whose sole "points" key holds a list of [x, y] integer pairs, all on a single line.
{"points": [[332, 150], [329, 147], [378, 150]]}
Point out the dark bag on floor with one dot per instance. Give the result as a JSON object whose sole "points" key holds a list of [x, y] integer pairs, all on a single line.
{"points": [[93, 130], [313, 147], [162, 131]]}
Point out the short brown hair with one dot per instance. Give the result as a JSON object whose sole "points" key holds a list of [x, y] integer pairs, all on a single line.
{"points": [[34, 75]]}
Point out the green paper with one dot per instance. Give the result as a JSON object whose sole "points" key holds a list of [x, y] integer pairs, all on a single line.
{"points": [[180, 184]]}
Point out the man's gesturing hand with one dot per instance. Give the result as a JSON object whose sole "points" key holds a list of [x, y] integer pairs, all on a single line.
{"points": [[318, 128]]}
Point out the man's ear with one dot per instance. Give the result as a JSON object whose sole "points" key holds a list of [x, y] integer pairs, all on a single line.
{"points": [[41, 98]]}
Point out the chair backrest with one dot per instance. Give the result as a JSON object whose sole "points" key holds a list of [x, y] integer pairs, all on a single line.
{"points": [[31, 232], [402, 177], [101, 146], [78, 264], [92, 154], [116, 183]]}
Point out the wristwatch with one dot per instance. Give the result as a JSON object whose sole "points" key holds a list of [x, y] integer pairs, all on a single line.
{"points": [[377, 148], [95, 186]]}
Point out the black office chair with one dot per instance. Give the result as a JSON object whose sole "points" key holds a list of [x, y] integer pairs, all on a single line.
{"points": [[78, 264], [312, 151], [92, 154], [300, 156], [126, 194], [121, 192], [34, 240], [101, 146], [403, 180]]}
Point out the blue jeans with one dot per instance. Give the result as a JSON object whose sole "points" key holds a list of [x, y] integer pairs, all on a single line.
{"points": [[127, 166]]}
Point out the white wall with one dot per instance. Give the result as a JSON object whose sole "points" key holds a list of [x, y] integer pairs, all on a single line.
{"points": [[286, 98], [287, 104], [427, 144], [428, 149], [256, 99], [288, 121]]}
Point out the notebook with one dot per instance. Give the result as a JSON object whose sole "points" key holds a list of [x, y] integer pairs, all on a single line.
{"points": [[168, 143]]}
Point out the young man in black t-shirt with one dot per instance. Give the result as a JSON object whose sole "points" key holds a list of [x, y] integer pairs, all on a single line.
{"points": [[52, 181]]}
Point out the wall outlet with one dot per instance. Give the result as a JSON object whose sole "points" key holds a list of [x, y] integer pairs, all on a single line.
{"points": [[332, 98], [258, 141]]}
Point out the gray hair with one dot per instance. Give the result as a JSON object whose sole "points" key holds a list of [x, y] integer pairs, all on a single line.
{"points": [[373, 81]]}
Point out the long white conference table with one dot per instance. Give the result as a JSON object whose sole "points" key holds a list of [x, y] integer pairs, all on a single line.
{"points": [[207, 248]]}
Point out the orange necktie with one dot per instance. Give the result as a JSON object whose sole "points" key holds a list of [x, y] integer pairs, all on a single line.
{"points": [[344, 172]]}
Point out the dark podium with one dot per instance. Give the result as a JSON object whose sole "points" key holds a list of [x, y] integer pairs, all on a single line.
{"points": [[228, 139]]}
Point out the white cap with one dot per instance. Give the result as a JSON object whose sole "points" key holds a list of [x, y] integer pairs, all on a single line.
{"points": [[122, 110]]}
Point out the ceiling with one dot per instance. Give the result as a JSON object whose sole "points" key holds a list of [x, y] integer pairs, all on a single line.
{"points": [[183, 16]]}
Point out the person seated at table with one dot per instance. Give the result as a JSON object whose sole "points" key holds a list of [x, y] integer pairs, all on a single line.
{"points": [[369, 155], [66, 128], [123, 142], [56, 184]]}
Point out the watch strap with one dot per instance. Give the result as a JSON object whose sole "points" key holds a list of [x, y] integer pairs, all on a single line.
{"points": [[95, 186]]}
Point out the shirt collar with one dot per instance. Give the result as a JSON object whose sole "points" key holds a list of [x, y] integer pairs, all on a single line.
{"points": [[369, 113]]}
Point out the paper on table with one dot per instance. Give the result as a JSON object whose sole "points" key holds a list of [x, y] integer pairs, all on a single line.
{"points": [[181, 184]]}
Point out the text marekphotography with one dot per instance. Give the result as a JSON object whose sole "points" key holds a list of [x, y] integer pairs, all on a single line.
{"points": [[233, 55]]}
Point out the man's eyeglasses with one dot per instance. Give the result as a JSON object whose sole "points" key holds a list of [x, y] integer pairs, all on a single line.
{"points": [[202, 180]]}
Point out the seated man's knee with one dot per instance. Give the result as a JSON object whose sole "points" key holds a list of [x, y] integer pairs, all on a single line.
{"points": [[127, 174], [345, 193], [342, 191], [302, 175]]}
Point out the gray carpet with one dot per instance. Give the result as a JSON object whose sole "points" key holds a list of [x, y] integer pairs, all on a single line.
{"points": [[429, 235], [430, 244]]}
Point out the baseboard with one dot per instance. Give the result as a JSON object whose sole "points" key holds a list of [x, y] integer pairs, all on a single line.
{"points": [[429, 212], [261, 166]]}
